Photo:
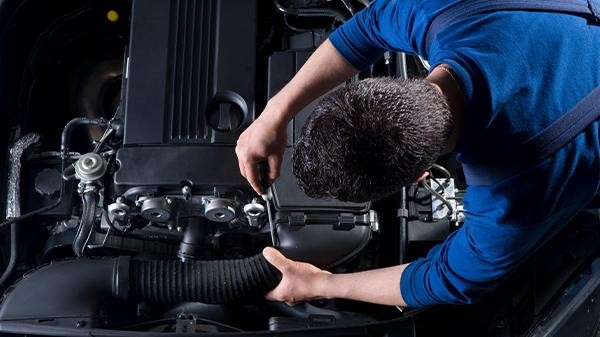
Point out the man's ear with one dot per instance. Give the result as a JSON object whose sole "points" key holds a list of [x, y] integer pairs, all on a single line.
{"points": [[423, 176]]}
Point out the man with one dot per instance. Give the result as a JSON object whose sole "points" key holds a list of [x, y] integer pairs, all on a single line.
{"points": [[499, 79]]}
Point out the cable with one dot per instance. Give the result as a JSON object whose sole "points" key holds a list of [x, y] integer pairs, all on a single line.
{"points": [[12, 262], [312, 12], [299, 29], [65, 137], [439, 196], [105, 137], [442, 169], [64, 145], [348, 6], [43, 209]]}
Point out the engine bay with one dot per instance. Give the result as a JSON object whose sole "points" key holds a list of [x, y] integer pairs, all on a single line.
{"points": [[123, 195]]}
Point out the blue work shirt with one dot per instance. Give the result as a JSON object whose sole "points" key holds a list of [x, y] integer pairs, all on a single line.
{"points": [[519, 71]]}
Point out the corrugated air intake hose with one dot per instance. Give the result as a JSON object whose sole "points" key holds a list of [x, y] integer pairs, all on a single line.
{"points": [[81, 287], [224, 281]]}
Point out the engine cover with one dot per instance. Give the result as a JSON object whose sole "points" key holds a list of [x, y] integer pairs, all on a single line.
{"points": [[189, 92]]}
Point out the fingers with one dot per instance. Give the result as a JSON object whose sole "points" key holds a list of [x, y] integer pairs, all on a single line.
{"points": [[240, 155], [248, 169], [274, 257], [242, 168], [274, 167], [253, 177], [260, 142]]}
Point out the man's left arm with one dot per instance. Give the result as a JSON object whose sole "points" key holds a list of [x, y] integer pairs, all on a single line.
{"points": [[302, 282]]}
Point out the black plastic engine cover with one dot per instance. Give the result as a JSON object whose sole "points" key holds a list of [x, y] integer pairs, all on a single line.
{"points": [[189, 91], [190, 72]]}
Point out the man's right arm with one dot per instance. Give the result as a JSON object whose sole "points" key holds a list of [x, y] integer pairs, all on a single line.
{"points": [[356, 44], [265, 139]]}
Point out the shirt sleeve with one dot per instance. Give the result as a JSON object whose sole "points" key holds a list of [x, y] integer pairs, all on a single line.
{"points": [[504, 223], [469, 262], [366, 36]]}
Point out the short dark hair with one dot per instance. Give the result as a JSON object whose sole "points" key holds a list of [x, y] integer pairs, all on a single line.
{"points": [[367, 139]]}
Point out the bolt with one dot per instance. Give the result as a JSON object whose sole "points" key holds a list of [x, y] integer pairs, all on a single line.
{"points": [[169, 201], [80, 324], [187, 192], [121, 200]]}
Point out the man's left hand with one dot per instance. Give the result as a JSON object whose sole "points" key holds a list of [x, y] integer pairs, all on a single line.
{"points": [[300, 281]]}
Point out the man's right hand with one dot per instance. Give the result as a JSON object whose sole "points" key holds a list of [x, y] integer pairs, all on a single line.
{"points": [[264, 140]]}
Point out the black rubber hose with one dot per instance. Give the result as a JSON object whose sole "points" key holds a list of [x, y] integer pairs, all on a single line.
{"points": [[10, 267], [224, 281], [86, 226], [65, 138], [64, 147]]}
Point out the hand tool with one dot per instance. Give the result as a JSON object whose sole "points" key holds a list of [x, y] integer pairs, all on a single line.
{"points": [[267, 197]]}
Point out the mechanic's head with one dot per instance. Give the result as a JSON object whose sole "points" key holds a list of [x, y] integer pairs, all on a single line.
{"points": [[366, 140]]}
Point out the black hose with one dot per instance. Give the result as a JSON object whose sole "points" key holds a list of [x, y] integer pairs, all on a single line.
{"points": [[81, 287], [225, 281], [64, 145], [86, 225], [312, 12], [65, 137], [13, 254]]}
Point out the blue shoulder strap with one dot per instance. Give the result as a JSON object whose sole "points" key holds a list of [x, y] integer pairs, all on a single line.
{"points": [[466, 8], [564, 129], [585, 112]]}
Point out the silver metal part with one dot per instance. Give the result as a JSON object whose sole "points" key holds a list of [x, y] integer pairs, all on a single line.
{"points": [[119, 209], [373, 221], [268, 197], [90, 167], [425, 63], [253, 211], [84, 187], [13, 199], [439, 209], [156, 209], [219, 210], [186, 191]]}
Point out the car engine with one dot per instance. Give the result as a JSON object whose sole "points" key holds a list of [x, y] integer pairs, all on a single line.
{"points": [[125, 209]]}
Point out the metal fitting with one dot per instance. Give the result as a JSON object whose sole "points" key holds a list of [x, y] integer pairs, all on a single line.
{"points": [[219, 210], [119, 209], [253, 211], [373, 221], [90, 167], [157, 210]]}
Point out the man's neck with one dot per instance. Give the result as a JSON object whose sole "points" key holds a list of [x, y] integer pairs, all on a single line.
{"points": [[448, 86]]}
